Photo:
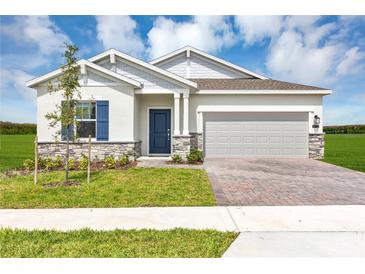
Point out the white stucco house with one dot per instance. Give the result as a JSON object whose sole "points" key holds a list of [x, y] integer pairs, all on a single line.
{"points": [[184, 99]]}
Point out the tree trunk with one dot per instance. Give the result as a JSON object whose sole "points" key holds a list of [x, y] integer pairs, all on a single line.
{"points": [[67, 151], [36, 159]]}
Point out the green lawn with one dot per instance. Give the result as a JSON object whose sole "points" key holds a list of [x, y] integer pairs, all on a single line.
{"points": [[347, 150], [117, 243], [135, 187], [14, 149]]}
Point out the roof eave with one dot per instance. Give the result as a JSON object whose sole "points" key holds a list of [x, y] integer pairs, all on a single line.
{"points": [[255, 91], [144, 64], [34, 82]]}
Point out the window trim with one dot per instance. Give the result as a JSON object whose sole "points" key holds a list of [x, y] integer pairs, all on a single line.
{"points": [[88, 120]]}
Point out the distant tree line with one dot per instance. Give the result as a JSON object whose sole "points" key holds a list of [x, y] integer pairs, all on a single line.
{"points": [[8, 128], [348, 129]]}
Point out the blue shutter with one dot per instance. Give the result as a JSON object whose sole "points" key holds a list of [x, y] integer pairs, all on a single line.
{"points": [[70, 133], [102, 120]]}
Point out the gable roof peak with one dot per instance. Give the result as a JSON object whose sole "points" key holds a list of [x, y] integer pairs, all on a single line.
{"points": [[207, 56], [144, 64]]}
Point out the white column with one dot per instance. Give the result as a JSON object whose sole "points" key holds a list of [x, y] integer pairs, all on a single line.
{"points": [[186, 114], [176, 113]]}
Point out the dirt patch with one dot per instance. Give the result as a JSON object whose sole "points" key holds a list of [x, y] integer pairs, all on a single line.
{"points": [[183, 163], [58, 184], [95, 166]]}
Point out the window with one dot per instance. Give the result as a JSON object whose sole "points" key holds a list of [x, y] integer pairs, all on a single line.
{"points": [[86, 119]]}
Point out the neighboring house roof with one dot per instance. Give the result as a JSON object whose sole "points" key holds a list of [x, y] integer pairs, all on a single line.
{"points": [[208, 56], [254, 85], [146, 65], [58, 72]]}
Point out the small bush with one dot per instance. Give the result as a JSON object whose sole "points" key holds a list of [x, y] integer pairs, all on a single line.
{"points": [[58, 162], [83, 163], [109, 162], [49, 163], [195, 156], [176, 158], [71, 164], [29, 164], [41, 163], [124, 160]]}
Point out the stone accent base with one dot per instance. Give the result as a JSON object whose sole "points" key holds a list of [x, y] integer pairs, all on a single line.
{"points": [[181, 145], [196, 140], [316, 145], [99, 150]]}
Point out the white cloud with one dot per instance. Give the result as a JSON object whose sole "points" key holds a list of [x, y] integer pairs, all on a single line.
{"points": [[291, 59], [350, 64], [208, 33], [119, 32], [256, 28], [301, 48], [39, 31], [14, 81], [24, 61]]}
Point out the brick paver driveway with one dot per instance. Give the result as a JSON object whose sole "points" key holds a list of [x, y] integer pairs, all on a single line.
{"points": [[284, 182]]}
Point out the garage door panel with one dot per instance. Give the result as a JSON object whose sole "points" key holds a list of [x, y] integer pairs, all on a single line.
{"points": [[243, 136]]}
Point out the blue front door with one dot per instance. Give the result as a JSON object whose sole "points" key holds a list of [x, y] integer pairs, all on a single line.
{"points": [[160, 121]]}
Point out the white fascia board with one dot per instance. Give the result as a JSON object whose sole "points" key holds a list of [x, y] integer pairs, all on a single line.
{"points": [[57, 72], [299, 92], [254, 108], [145, 65], [211, 57], [114, 74]]}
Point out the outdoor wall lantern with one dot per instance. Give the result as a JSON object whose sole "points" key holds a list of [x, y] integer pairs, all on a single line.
{"points": [[316, 121]]}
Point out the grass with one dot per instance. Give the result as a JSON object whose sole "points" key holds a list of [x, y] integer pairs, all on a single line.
{"points": [[181, 243], [347, 150], [14, 149], [135, 187]]}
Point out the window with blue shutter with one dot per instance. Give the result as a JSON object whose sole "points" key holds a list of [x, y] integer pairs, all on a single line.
{"points": [[70, 133], [102, 120]]}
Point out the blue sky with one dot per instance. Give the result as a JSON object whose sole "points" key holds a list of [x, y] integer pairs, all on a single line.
{"points": [[327, 51]]}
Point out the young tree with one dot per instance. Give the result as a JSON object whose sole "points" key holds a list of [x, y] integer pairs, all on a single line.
{"points": [[65, 113]]}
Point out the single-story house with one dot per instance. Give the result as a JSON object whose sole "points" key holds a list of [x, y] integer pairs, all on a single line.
{"points": [[187, 98]]}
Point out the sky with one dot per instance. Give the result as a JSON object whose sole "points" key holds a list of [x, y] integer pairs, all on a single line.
{"points": [[326, 51]]}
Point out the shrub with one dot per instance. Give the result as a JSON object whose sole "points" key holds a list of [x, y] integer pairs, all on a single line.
{"points": [[41, 163], [195, 156], [83, 163], [71, 164], [109, 162], [49, 163], [28, 164], [124, 160], [58, 162], [348, 129], [9, 128], [176, 158]]}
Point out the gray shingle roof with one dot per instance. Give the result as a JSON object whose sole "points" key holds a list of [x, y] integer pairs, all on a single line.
{"points": [[249, 84]]}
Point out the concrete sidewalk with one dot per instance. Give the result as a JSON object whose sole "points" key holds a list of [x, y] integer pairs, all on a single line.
{"points": [[240, 219], [298, 244]]}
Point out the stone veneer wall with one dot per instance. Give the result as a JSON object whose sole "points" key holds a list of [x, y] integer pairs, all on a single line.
{"points": [[98, 149], [181, 145], [196, 140], [316, 145]]}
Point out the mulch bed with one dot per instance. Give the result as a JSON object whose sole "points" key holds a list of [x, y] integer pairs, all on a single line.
{"points": [[95, 166], [58, 184], [183, 163]]}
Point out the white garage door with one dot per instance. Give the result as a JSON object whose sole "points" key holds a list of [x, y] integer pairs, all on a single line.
{"points": [[256, 135]]}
